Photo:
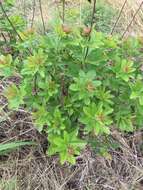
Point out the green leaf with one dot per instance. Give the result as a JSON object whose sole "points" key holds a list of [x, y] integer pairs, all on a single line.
{"points": [[137, 91], [14, 96], [35, 63], [85, 86], [6, 68], [124, 70], [67, 145], [7, 147], [96, 118], [141, 100], [41, 118]]}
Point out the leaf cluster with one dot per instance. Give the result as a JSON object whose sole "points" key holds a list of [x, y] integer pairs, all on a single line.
{"points": [[67, 92]]}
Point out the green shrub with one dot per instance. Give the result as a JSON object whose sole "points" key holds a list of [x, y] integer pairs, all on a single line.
{"points": [[74, 97]]}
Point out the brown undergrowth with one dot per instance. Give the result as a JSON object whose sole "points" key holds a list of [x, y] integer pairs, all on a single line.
{"points": [[49, 7], [30, 169]]}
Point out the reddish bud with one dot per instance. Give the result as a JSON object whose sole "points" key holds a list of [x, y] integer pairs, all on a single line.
{"points": [[66, 29], [86, 31]]}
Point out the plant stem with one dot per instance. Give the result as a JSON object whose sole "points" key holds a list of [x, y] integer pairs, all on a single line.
{"points": [[11, 24], [6, 16], [91, 26], [33, 13], [4, 37], [93, 13], [112, 31], [63, 16], [42, 17], [129, 25], [35, 84]]}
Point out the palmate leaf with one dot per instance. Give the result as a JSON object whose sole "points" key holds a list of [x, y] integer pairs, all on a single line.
{"points": [[124, 119], [5, 61], [85, 86], [124, 69], [7, 147], [14, 96], [40, 118], [35, 63], [6, 67], [125, 124], [96, 118], [104, 96], [67, 145], [137, 91]]}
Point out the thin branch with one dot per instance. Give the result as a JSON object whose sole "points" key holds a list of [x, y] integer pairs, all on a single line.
{"points": [[91, 25], [6, 16], [4, 37], [129, 25], [42, 17], [58, 9], [62, 76], [120, 13], [14, 29], [24, 8], [63, 15], [33, 13], [11, 24], [35, 91], [93, 13], [80, 10]]}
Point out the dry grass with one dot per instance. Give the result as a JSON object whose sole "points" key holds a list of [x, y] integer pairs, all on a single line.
{"points": [[128, 12], [49, 6], [28, 169]]}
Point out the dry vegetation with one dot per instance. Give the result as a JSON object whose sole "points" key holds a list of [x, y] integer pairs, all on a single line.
{"points": [[48, 13], [128, 12], [30, 169]]}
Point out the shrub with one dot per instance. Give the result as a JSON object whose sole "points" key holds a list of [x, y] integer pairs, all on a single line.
{"points": [[76, 88]]}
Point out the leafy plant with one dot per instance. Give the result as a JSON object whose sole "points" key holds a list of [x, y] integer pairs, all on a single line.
{"points": [[75, 94], [137, 91], [67, 146], [85, 86], [6, 65], [124, 69], [14, 96], [96, 118]]}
